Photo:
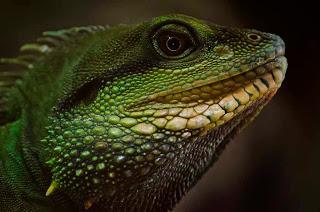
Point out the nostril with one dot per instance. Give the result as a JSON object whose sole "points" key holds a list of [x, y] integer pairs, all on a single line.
{"points": [[254, 37]]}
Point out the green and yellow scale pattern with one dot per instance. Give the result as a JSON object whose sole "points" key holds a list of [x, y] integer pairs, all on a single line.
{"points": [[105, 113]]}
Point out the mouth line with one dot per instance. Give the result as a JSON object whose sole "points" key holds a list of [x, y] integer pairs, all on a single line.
{"points": [[209, 109], [260, 77]]}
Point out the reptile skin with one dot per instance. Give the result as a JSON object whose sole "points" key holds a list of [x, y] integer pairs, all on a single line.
{"points": [[127, 118]]}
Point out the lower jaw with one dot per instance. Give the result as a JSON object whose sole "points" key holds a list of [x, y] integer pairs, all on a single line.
{"points": [[182, 173]]}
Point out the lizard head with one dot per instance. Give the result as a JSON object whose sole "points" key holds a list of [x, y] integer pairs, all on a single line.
{"points": [[155, 104]]}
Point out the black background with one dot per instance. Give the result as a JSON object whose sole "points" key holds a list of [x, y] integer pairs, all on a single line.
{"points": [[273, 165]]}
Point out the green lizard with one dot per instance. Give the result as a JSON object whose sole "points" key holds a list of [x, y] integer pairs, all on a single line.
{"points": [[127, 118]]}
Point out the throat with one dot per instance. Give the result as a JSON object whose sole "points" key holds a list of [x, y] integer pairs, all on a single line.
{"points": [[163, 189], [189, 165]]}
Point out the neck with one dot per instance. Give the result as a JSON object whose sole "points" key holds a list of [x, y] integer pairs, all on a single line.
{"points": [[23, 181], [16, 180]]}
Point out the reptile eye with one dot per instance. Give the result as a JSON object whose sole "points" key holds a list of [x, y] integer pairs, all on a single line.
{"points": [[173, 44]]}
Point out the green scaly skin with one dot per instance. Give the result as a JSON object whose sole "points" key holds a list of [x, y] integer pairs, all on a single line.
{"points": [[114, 122]]}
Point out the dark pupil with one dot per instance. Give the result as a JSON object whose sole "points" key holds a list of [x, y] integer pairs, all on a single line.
{"points": [[173, 44]]}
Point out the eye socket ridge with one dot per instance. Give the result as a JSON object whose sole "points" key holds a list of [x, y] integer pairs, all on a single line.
{"points": [[173, 41]]}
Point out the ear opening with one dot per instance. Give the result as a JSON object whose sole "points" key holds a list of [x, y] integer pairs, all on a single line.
{"points": [[85, 95]]}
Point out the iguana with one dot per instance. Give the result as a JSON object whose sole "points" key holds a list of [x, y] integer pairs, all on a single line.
{"points": [[127, 118]]}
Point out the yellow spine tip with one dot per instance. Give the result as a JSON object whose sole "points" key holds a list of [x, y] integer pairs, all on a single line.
{"points": [[52, 188]]}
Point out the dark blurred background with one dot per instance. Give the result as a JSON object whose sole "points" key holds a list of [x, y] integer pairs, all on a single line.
{"points": [[273, 165]]}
